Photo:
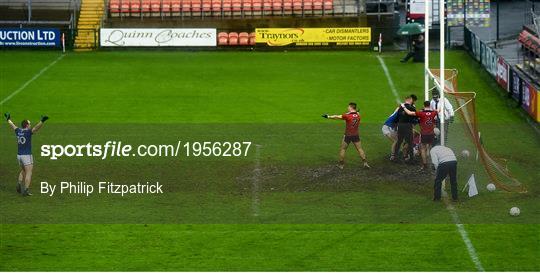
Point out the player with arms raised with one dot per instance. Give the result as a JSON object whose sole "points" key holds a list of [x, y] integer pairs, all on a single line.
{"points": [[427, 120], [24, 153], [352, 120]]}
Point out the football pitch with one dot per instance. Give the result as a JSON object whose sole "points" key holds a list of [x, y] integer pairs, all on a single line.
{"points": [[281, 206]]}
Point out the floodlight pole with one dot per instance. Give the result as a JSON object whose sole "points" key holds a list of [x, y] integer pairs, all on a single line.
{"points": [[441, 68], [426, 50]]}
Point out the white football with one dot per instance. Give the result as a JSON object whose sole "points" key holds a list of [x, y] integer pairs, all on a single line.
{"points": [[491, 187], [465, 153], [514, 211], [437, 131]]}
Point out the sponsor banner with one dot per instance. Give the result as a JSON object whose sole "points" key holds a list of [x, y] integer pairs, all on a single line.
{"points": [[503, 74], [29, 37], [516, 85], [314, 36], [530, 100], [489, 59], [157, 37]]}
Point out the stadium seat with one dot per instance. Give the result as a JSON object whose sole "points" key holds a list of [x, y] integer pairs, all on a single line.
{"points": [[114, 8], [196, 7], [207, 7], [166, 8], [155, 8], [317, 6], [243, 41], [287, 6], [237, 7], [145, 7], [223, 38], [328, 5], [308, 7], [176, 7], [277, 5], [247, 7], [252, 38], [216, 8], [257, 7], [227, 7], [267, 7], [233, 38], [186, 7], [298, 6], [124, 8], [135, 8]]}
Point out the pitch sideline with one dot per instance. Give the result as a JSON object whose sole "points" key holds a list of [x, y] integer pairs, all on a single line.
{"points": [[455, 217], [37, 75]]}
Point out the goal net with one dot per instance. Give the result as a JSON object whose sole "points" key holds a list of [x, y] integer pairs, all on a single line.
{"points": [[464, 104]]}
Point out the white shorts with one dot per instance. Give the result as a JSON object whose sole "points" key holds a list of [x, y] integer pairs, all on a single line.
{"points": [[25, 160], [388, 131]]}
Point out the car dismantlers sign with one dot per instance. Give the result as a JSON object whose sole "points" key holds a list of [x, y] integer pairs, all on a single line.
{"points": [[313, 36]]}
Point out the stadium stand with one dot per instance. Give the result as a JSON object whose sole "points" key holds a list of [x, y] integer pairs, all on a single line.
{"points": [[221, 8], [90, 20], [53, 13]]}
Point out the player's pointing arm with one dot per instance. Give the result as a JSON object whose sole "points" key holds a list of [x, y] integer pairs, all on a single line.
{"points": [[40, 124], [332, 116], [11, 124]]}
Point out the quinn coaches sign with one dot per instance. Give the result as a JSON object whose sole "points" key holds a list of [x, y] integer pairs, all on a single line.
{"points": [[157, 37], [29, 37]]}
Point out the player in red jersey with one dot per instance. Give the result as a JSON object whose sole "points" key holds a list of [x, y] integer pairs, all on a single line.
{"points": [[352, 120], [427, 121]]}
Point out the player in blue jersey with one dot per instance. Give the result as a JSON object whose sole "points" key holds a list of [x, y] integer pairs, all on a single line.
{"points": [[24, 153], [389, 128]]}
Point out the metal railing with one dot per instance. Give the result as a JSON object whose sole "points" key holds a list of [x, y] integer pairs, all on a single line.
{"points": [[39, 12]]}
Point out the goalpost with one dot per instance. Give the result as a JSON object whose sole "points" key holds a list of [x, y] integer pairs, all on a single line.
{"points": [[445, 81]]}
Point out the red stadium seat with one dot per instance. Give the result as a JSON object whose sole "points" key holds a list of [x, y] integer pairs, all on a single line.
{"points": [[227, 7], [216, 7], [257, 7], [243, 34], [287, 6], [267, 7], [247, 7], [155, 7], [124, 8], [317, 5], [308, 7], [243, 41], [237, 7], [166, 8], [196, 7], [223, 38], [176, 7], [277, 5], [114, 8], [207, 6], [233, 38], [145, 7], [135, 7], [328, 5], [186, 7], [252, 38]]}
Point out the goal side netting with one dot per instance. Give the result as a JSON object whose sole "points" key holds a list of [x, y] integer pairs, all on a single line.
{"points": [[464, 104]]}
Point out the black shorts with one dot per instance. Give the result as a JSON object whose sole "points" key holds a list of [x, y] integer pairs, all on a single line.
{"points": [[349, 139], [427, 139]]}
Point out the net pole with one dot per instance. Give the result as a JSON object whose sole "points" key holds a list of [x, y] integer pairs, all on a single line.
{"points": [[441, 68], [426, 50]]}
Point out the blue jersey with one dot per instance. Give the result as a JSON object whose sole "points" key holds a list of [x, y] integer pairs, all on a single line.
{"points": [[24, 141], [391, 121]]}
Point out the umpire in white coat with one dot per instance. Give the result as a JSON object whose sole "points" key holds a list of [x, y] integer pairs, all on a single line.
{"points": [[445, 162], [436, 104]]}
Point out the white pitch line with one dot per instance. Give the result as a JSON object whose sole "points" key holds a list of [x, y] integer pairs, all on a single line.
{"points": [[32, 79], [256, 181], [455, 217], [389, 78]]}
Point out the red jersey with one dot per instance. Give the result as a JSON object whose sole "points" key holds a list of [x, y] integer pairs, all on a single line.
{"points": [[352, 120], [427, 121]]}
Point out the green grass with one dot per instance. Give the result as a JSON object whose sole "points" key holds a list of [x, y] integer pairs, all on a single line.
{"points": [[310, 215]]}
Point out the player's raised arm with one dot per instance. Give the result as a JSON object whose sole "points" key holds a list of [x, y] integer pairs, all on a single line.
{"points": [[8, 119], [40, 124], [332, 116]]}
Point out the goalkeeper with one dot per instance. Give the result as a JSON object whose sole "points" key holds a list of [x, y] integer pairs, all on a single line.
{"points": [[24, 151]]}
